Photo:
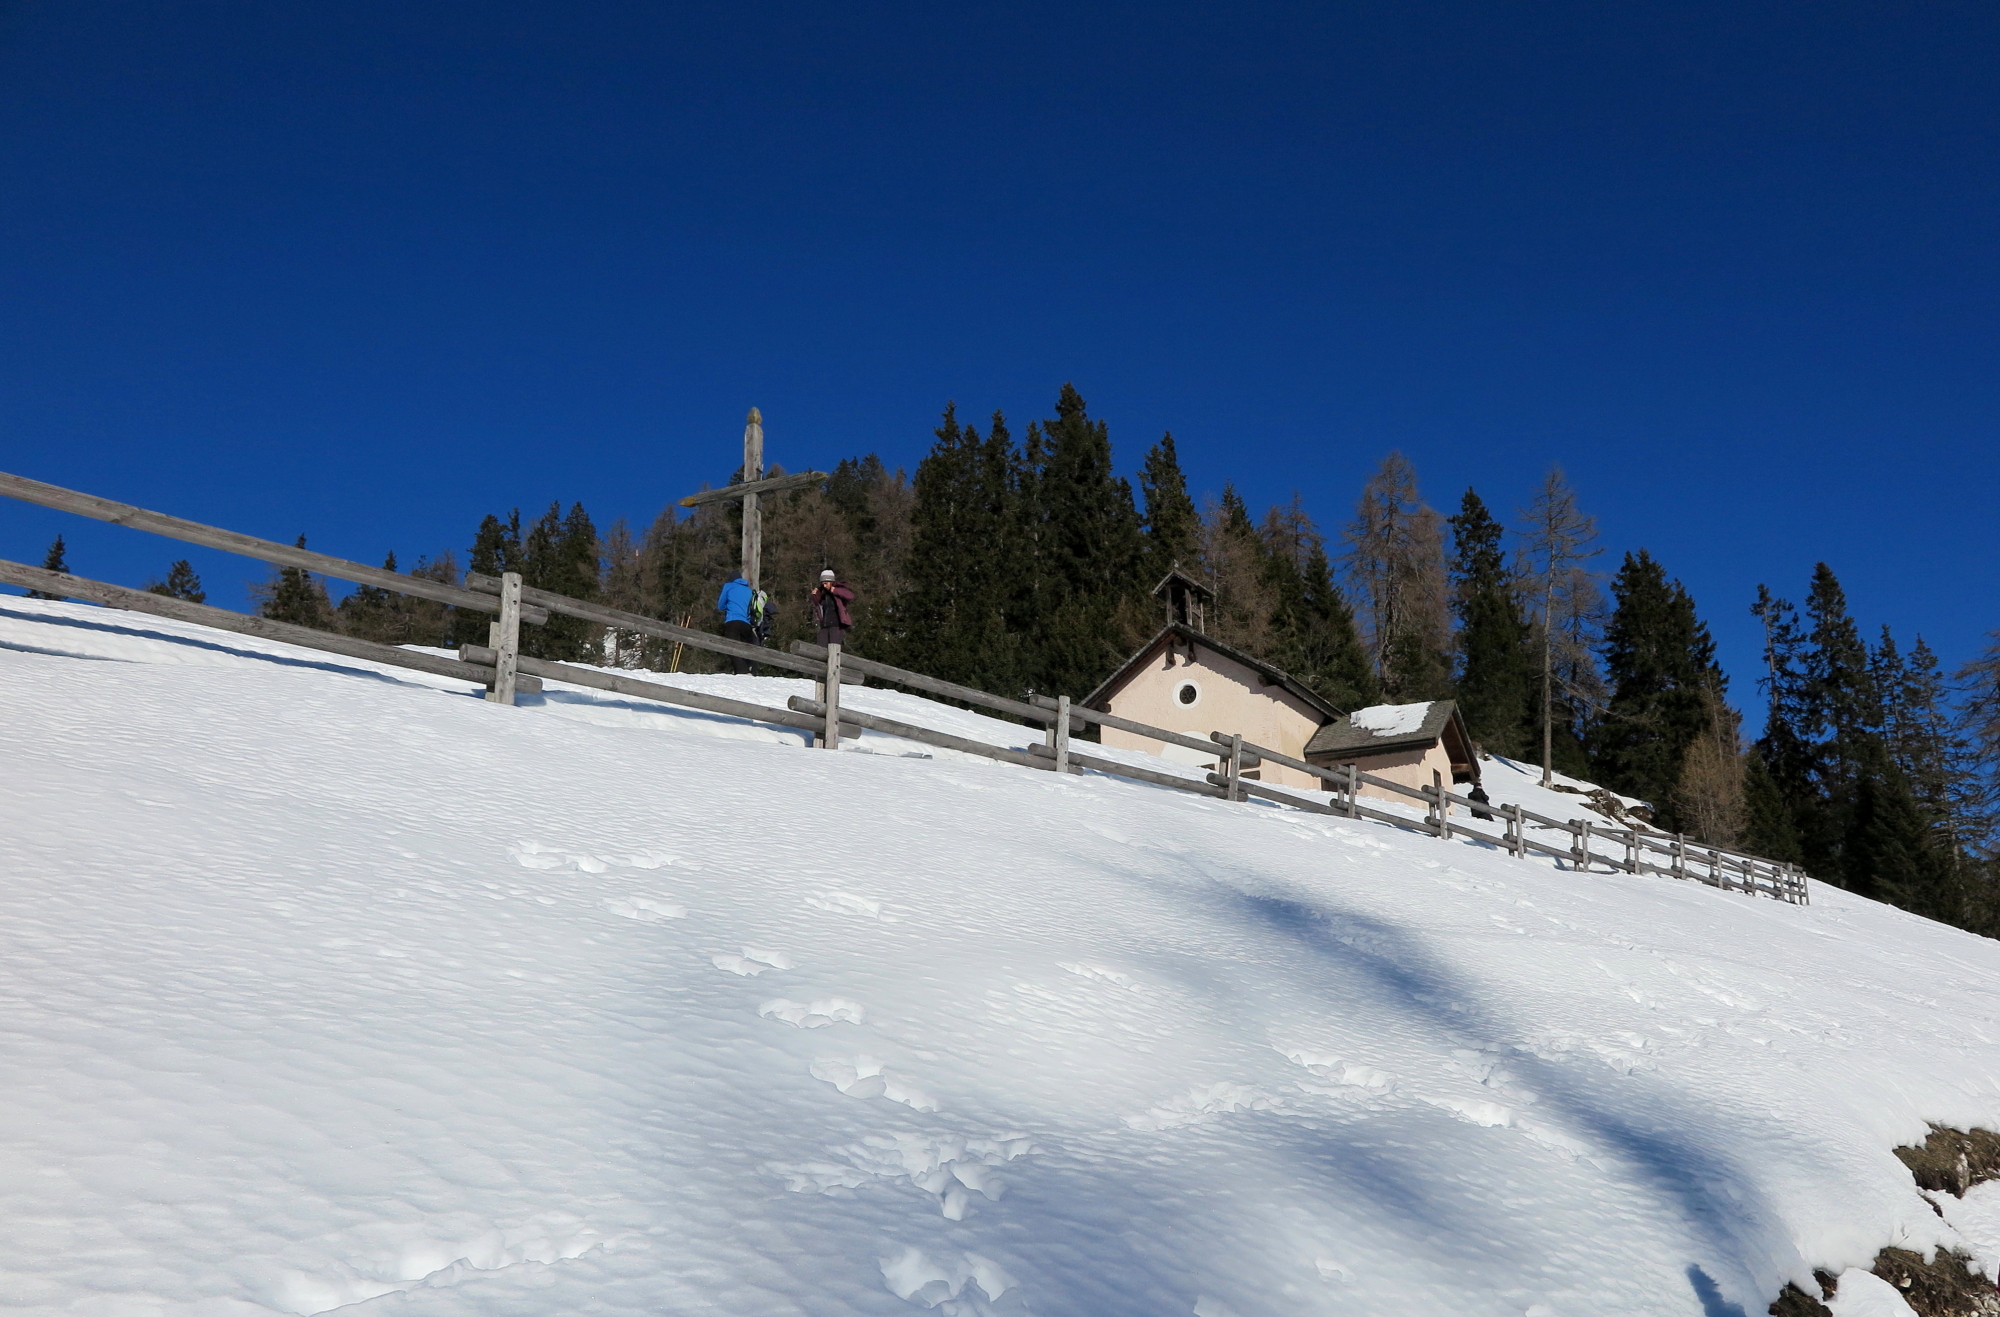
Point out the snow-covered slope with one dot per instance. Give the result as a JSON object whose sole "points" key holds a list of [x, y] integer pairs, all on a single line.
{"points": [[323, 985]]}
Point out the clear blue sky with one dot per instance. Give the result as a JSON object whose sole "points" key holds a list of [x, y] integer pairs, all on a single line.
{"points": [[371, 270]]}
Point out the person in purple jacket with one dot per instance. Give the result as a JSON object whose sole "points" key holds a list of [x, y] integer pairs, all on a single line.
{"points": [[828, 607]]}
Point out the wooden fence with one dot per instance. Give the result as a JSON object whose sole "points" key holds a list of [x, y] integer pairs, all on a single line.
{"points": [[505, 672]]}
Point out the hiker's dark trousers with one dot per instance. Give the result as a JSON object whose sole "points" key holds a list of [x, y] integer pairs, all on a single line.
{"points": [[746, 633]]}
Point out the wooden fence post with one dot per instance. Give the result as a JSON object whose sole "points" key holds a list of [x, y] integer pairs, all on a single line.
{"points": [[1438, 802], [507, 639], [1516, 842], [1632, 849], [1235, 769], [1680, 856], [1062, 734], [832, 697], [1583, 855]]}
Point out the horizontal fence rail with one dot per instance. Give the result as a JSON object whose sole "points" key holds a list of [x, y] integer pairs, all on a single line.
{"points": [[229, 541], [619, 684], [505, 671], [145, 601]]}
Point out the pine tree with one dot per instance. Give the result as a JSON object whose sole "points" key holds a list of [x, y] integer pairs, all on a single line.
{"points": [[1840, 723], [1925, 742], [1887, 850], [181, 583], [496, 548], [1313, 636], [1767, 818], [1977, 723], [1559, 537], [559, 554], [1784, 754], [1333, 660], [1173, 527], [1089, 552], [56, 560], [1665, 684], [1496, 673], [954, 617], [370, 612], [296, 596]]}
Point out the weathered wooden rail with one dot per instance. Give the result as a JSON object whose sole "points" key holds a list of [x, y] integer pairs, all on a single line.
{"points": [[143, 601], [282, 555], [506, 672]]}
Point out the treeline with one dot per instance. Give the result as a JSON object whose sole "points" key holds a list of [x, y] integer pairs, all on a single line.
{"points": [[1027, 564]]}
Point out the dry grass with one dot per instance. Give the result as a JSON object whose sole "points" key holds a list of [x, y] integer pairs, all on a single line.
{"points": [[1942, 1287], [1952, 1161]]}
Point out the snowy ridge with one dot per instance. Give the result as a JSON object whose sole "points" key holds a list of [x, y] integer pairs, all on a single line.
{"points": [[323, 985]]}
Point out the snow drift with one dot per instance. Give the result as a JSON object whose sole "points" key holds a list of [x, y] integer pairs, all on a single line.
{"points": [[326, 985]]}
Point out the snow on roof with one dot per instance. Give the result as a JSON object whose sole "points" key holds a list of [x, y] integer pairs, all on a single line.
{"points": [[1391, 719]]}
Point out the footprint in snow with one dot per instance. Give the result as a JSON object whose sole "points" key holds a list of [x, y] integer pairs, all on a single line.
{"points": [[1199, 1104], [812, 1015], [864, 1077], [753, 961], [534, 855], [645, 909]]}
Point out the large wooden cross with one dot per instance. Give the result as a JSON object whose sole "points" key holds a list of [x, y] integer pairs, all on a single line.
{"points": [[749, 489]]}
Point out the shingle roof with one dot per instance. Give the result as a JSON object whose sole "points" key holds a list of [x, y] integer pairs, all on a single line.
{"points": [[1341, 738], [1276, 676]]}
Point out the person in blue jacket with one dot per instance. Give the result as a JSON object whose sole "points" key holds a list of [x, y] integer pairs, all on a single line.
{"points": [[735, 604]]}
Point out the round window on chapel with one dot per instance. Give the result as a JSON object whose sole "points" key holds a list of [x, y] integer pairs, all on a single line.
{"points": [[1188, 693]]}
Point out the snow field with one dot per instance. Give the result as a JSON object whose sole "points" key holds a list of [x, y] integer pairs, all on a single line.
{"points": [[327, 986]]}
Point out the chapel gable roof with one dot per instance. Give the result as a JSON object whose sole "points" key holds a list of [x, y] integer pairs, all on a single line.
{"points": [[1173, 633]]}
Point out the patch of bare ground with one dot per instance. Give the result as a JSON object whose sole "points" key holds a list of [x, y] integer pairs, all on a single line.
{"points": [[1951, 1161], [1949, 1284]]}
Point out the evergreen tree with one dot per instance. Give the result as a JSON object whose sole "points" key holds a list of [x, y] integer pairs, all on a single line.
{"points": [[56, 560], [1924, 742], [559, 554], [1313, 635], [496, 548], [365, 613], [373, 612], [296, 596], [1767, 818], [1784, 754], [1661, 665], [1333, 661], [1887, 850], [1089, 552], [955, 617], [1496, 673], [1841, 715], [1173, 527], [181, 583], [1978, 724]]}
